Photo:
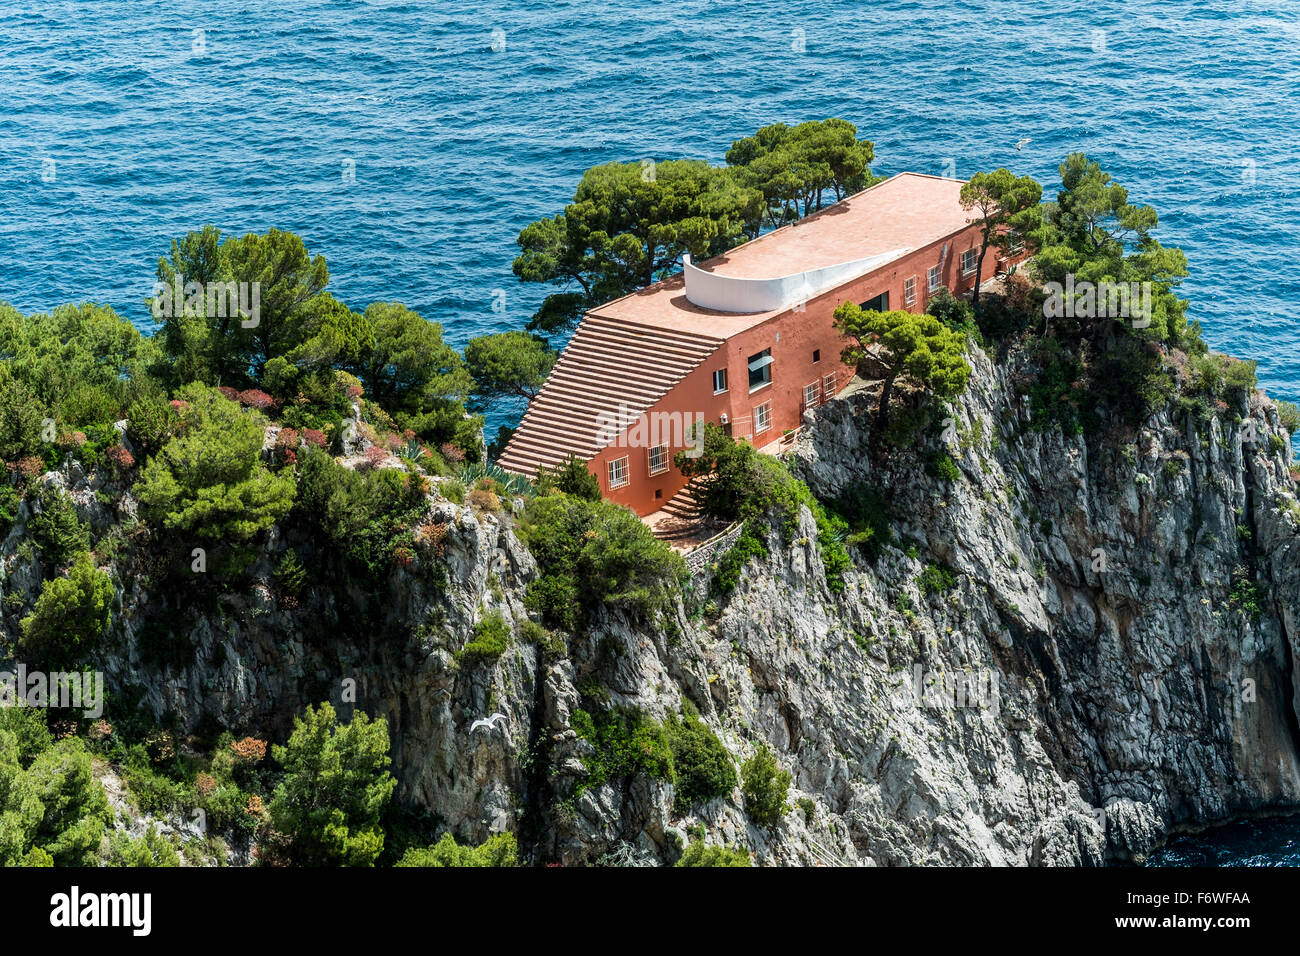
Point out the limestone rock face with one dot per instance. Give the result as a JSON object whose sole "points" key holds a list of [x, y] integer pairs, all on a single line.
{"points": [[1111, 662]]}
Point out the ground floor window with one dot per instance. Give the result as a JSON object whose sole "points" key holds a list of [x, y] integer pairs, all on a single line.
{"points": [[810, 395], [618, 472], [828, 386], [968, 262], [763, 417], [936, 278], [909, 291]]}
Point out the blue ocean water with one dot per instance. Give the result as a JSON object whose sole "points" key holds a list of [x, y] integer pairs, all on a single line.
{"points": [[1274, 842]]}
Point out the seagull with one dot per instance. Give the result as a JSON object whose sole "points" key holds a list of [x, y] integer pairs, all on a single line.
{"points": [[486, 722], [1023, 143]]}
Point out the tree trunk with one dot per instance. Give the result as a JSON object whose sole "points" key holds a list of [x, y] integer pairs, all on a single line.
{"points": [[979, 272], [877, 439]]}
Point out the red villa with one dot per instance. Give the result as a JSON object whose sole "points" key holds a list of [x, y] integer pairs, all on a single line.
{"points": [[744, 339]]}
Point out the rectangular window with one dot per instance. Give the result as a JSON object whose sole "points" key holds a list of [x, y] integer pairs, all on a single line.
{"points": [[618, 472], [762, 417], [909, 291], [719, 381], [810, 394], [817, 356], [760, 369], [936, 277], [658, 459], [1016, 247], [880, 303], [828, 387], [968, 262]]}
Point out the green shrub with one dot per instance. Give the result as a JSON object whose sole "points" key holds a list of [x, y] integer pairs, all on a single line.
{"points": [[1288, 416], [210, 480], [936, 579], [290, 574], [152, 849], [595, 554], [867, 515], [59, 535], [326, 811], [10, 500], [765, 786], [698, 854], [453, 491], [368, 515], [626, 742], [702, 765], [572, 477], [749, 545], [71, 614], [498, 850], [490, 640], [940, 465]]}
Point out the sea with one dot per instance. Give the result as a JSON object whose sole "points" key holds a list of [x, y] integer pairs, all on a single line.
{"points": [[408, 141]]}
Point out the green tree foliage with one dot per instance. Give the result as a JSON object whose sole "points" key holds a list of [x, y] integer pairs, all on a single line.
{"points": [[700, 854], [794, 166], [70, 616], [1095, 234], [702, 766], [595, 554], [234, 347], [571, 477], [625, 742], [498, 850], [73, 807], [765, 786], [326, 810], [508, 364], [152, 849], [78, 364], [56, 530], [919, 349], [626, 227], [1007, 210], [365, 515], [21, 417], [209, 480], [416, 376], [490, 640], [752, 487]]}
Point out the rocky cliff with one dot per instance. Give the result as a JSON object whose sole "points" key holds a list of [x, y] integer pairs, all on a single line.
{"points": [[1070, 650]]}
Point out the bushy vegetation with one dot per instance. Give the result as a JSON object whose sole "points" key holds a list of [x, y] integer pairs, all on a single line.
{"points": [[700, 854], [765, 786], [742, 484], [327, 809], [593, 554], [702, 766], [625, 742], [499, 850], [490, 640], [71, 614]]}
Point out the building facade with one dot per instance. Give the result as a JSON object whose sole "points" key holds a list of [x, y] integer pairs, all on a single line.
{"points": [[745, 339]]}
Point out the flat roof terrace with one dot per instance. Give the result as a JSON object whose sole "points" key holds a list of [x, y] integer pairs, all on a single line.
{"points": [[905, 212]]}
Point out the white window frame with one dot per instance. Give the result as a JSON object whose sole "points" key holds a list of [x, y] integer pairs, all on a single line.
{"points": [[761, 412], [612, 467], [650, 459], [974, 261], [909, 291], [935, 278], [810, 394], [716, 373], [828, 386]]}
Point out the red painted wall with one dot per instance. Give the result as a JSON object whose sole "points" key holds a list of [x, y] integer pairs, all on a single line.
{"points": [[793, 337]]}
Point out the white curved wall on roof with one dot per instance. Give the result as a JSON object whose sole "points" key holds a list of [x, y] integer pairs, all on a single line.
{"points": [[721, 293]]}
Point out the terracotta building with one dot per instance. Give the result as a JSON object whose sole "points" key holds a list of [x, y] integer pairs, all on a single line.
{"points": [[744, 339]]}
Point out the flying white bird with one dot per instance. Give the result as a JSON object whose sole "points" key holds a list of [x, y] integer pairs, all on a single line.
{"points": [[1023, 143], [486, 722]]}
